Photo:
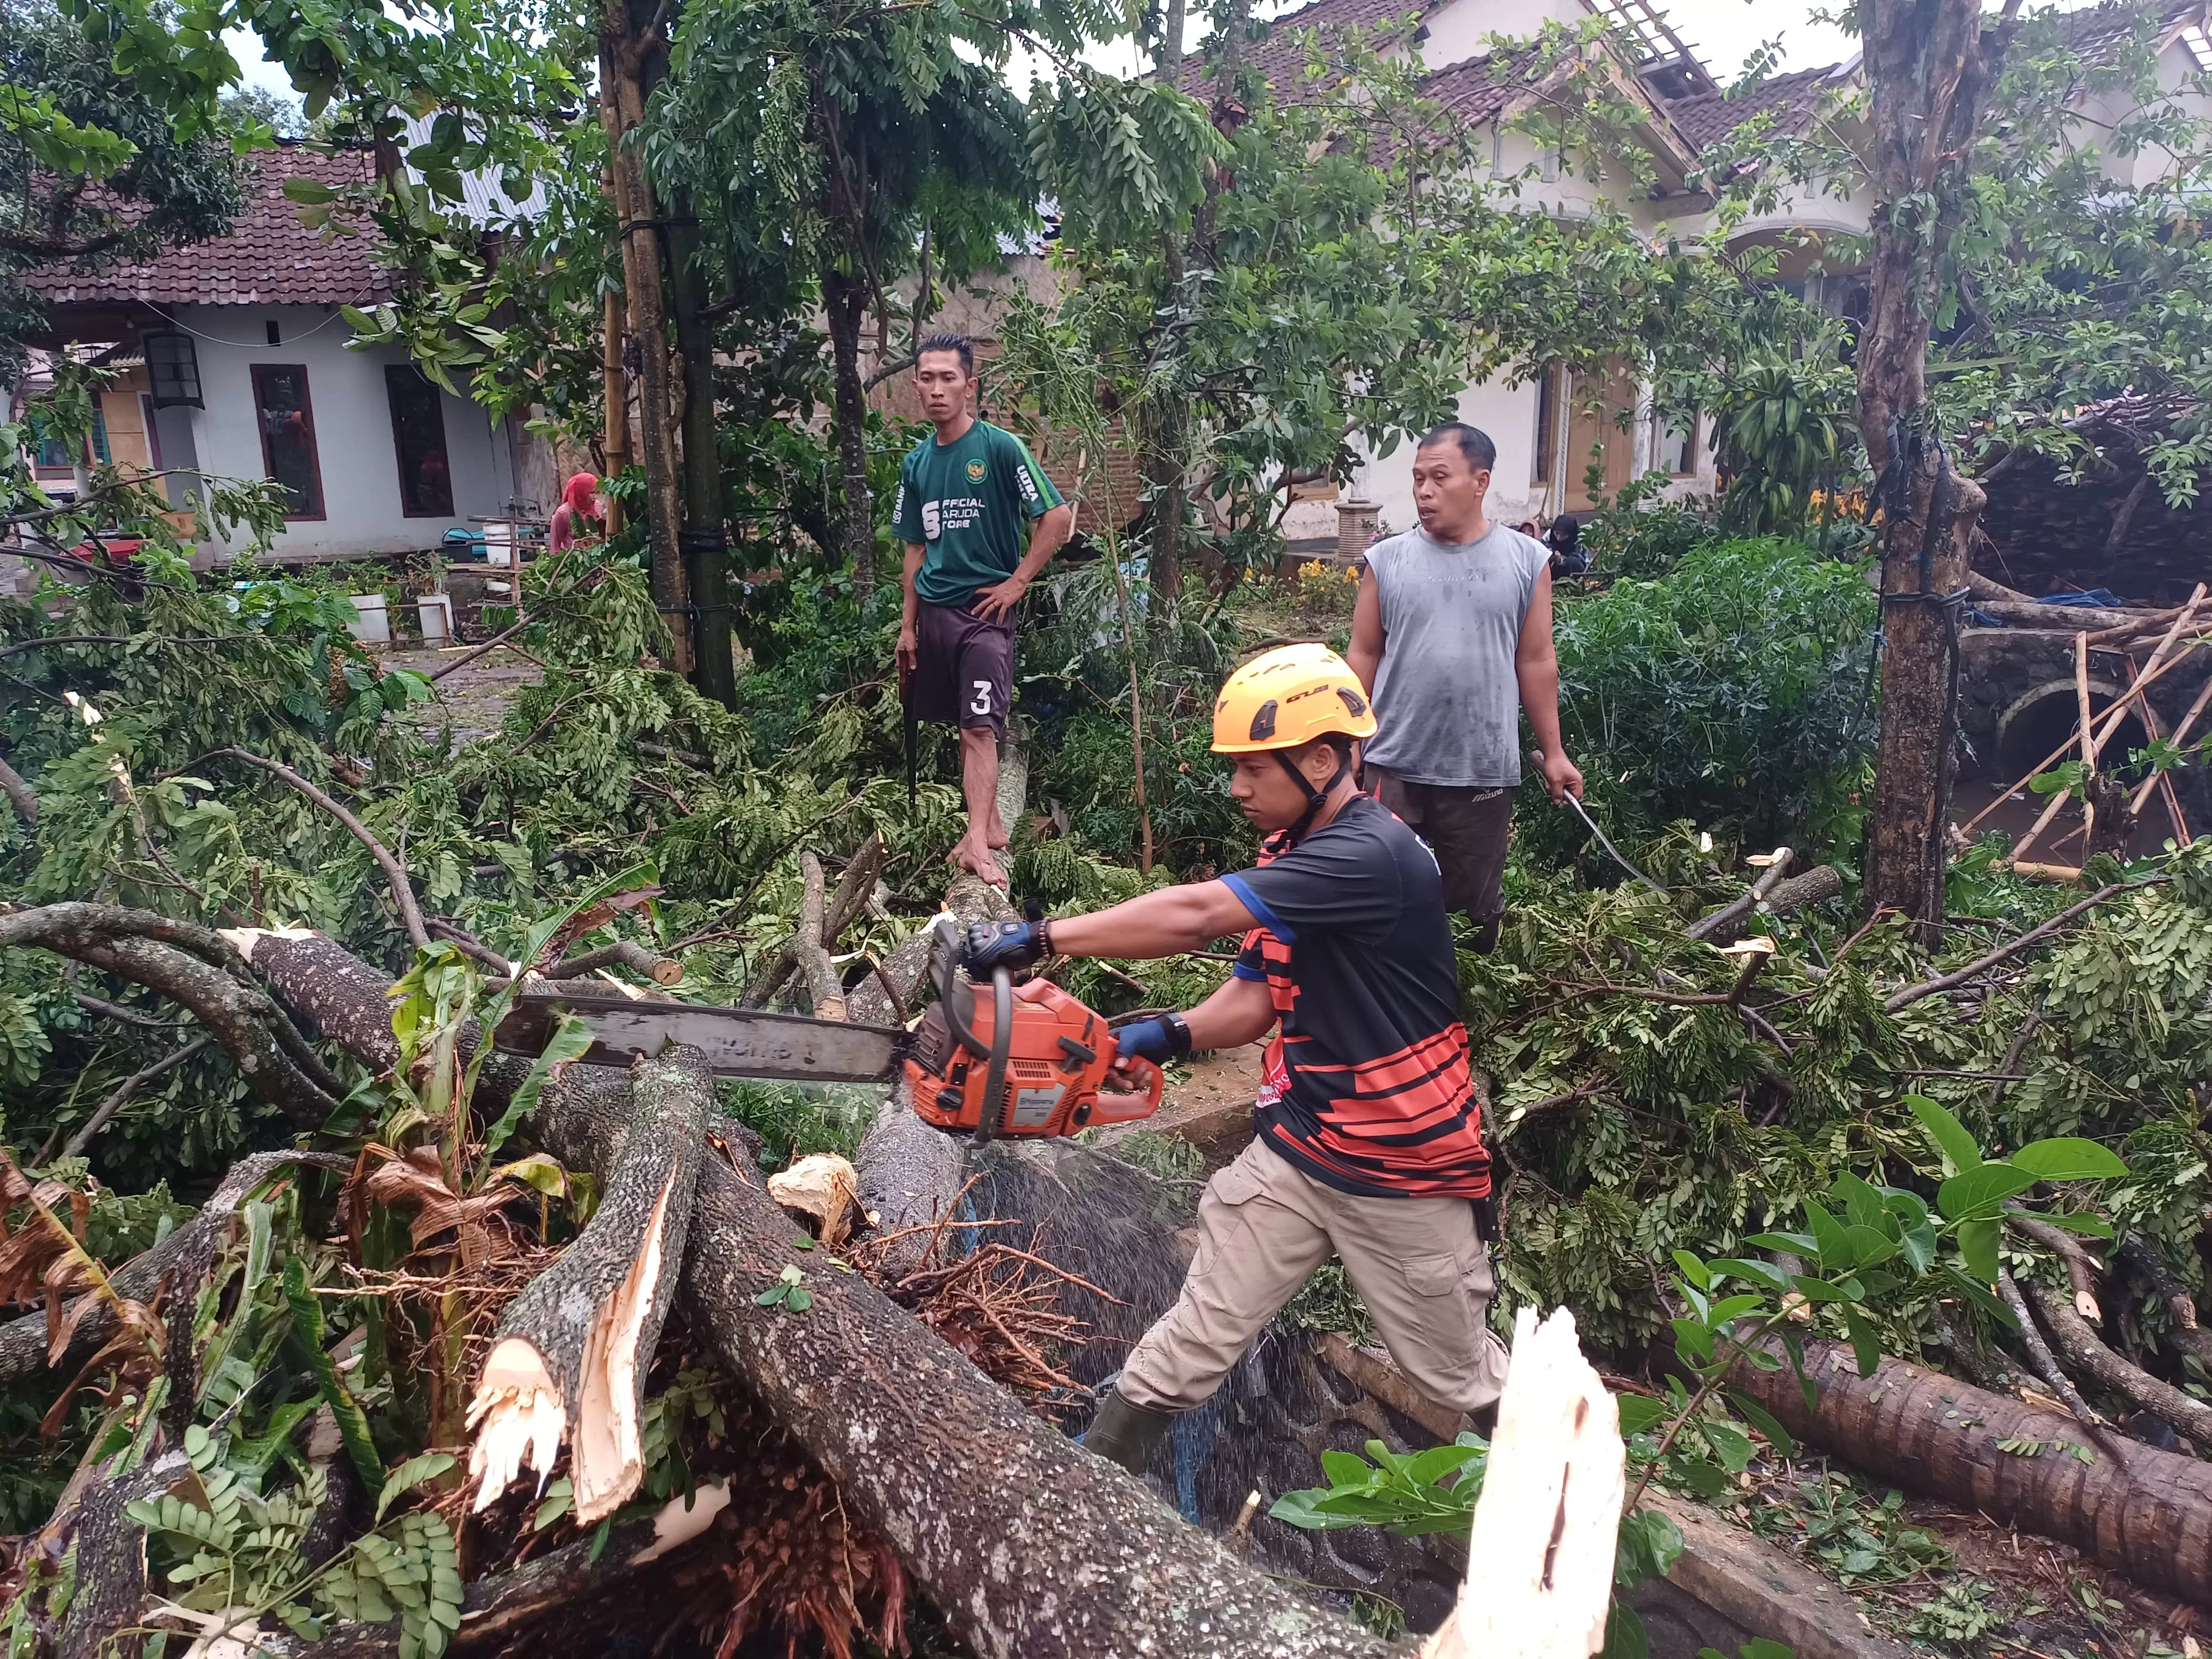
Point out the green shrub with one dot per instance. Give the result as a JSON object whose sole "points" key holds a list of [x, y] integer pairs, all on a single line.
{"points": [[1732, 691]]}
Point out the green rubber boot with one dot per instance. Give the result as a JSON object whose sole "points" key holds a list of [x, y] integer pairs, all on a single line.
{"points": [[1127, 1434]]}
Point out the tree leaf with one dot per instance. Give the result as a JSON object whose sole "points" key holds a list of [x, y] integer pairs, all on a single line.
{"points": [[1949, 1134], [410, 1474], [2069, 1157], [1981, 1192]]}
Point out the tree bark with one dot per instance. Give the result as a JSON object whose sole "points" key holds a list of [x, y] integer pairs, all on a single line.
{"points": [[2150, 1519], [823, 989], [182, 1260], [1929, 65], [706, 533], [2085, 1351], [1028, 1544], [621, 110], [178, 959], [853, 888], [19, 795], [844, 303], [571, 1353], [910, 1174]]}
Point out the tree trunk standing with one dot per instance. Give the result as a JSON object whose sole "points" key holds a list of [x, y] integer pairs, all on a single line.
{"points": [[706, 539], [615, 450], [1169, 429], [621, 105], [1928, 67], [845, 303]]}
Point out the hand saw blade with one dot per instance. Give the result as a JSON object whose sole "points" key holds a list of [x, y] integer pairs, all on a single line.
{"points": [[736, 1041]]}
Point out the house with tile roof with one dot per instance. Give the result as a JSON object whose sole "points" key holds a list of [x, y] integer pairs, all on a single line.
{"points": [[1549, 428], [231, 362]]}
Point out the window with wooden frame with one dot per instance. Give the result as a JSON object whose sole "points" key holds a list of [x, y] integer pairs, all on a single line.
{"points": [[418, 437], [287, 419]]}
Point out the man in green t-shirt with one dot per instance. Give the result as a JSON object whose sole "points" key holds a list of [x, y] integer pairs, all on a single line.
{"points": [[966, 494]]}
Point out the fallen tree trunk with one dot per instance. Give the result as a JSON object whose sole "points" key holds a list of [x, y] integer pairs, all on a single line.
{"points": [[1027, 1545], [570, 1356], [910, 1174], [2149, 1517], [182, 1259]]}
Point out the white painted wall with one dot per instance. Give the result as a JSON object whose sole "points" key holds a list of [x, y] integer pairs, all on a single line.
{"points": [[353, 430]]}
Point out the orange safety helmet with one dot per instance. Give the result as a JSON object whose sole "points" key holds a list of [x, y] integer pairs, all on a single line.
{"points": [[1286, 697]]}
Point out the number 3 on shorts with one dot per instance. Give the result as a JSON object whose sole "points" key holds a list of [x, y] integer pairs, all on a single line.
{"points": [[983, 703]]}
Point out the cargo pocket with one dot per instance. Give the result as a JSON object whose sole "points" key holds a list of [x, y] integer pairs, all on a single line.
{"points": [[1435, 1342], [1220, 1218]]}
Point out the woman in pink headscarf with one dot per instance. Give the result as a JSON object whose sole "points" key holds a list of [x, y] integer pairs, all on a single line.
{"points": [[581, 515]]}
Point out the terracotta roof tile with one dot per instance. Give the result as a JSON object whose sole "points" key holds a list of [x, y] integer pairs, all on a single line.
{"points": [[1282, 59], [2095, 32], [268, 259], [1793, 97]]}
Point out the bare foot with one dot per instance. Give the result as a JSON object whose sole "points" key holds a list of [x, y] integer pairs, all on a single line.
{"points": [[979, 862]]}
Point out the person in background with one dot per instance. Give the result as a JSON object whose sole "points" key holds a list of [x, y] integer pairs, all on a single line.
{"points": [[581, 516], [967, 492], [1452, 637], [1569, 557]]}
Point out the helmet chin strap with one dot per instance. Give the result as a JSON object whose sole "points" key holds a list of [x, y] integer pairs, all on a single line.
{"points": [[1316, 798]]}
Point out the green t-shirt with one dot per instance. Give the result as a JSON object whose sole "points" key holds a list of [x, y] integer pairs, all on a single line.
{"points": [[967, 503]]}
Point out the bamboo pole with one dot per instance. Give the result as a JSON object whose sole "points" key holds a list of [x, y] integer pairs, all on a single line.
{"points": [[616, 445], [2113, 716]]}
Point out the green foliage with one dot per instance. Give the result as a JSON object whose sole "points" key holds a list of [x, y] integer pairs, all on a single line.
{"points": [[1731, 691], [68, 117]]}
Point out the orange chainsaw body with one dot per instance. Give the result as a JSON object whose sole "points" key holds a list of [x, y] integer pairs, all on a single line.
{"points": [[1059, 1055]]}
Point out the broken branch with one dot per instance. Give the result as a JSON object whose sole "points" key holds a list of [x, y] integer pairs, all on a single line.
{"points": [[403, 894]]}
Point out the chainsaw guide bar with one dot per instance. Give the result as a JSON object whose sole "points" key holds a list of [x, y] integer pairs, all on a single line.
{"points": [[736, 1041]]}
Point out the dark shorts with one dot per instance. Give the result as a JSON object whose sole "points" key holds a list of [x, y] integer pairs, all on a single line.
{"points": [[963, 672], [1467, 829]]}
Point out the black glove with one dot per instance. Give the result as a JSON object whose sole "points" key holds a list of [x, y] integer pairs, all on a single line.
{"points": [[1159, 1039], [1008, 945]]}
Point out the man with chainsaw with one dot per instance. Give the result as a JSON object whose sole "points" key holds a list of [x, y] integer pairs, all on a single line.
{"points": [[1369, 1142], [1452, 637], [967, 492]]}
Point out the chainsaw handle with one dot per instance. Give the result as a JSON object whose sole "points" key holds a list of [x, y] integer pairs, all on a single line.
{"points": [[1127, 1106]]}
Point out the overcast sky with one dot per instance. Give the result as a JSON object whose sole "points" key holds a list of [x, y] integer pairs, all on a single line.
{"points": [[1722, 31]]}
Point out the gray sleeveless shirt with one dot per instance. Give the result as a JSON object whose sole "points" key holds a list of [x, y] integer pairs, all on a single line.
{"points": [[1447, 700]]}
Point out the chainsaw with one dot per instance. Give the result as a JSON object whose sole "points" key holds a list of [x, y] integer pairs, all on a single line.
{"points": [[1023, 1062]]}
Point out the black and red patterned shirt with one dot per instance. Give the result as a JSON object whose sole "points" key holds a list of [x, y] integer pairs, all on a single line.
{"points": [[1366, 1085]]}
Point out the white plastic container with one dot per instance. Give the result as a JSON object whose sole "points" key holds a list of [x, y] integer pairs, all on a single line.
{"points": [[372, 623], [499, 542]]}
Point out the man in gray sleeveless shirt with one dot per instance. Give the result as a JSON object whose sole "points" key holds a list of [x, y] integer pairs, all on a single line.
{"points": [[1453, 640]]}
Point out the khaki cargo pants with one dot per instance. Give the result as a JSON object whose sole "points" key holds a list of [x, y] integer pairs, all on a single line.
{"points": [[1264, 1226]]}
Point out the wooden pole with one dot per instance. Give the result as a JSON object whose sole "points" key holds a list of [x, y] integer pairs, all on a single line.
{"points": [[616, 444], [621, 107]]}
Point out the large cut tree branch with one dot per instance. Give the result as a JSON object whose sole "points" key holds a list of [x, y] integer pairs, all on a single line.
{"points": [[182, 1259], [21, 795], [570, 1356], [2149, 1517], [2084, 1350], [1029, 1545], [191, 965]]}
